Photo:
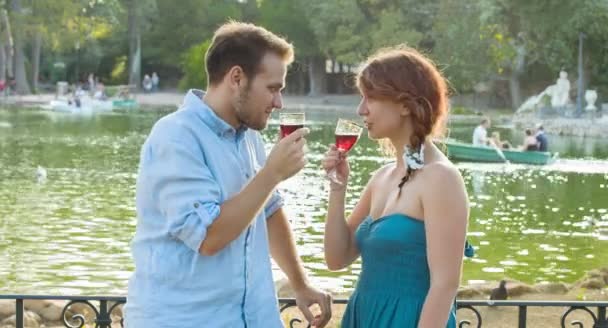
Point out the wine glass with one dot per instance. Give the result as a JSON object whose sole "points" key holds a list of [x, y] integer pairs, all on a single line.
{"points": [[290, 122], [347, 133]]}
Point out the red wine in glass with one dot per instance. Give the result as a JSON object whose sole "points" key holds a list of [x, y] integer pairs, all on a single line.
{"points": [[347, 133], [345, 142], [289, 122], [287, 129]]}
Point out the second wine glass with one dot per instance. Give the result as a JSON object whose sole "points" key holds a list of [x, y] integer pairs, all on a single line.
{"points": [[347, 133]]}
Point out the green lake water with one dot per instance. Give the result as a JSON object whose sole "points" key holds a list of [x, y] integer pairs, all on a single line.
{"points": [[70, 234]]}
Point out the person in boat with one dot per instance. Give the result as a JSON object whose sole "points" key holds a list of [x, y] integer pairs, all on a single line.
{"points": [[480, 134], [541, 138], [100, 92], [502, 144], [530, 142], [410, 223], [79, 93]]}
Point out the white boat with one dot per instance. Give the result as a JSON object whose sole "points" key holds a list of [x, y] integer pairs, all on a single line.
{"points": [[86, 105]]}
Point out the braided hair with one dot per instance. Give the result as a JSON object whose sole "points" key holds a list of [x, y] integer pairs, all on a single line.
{"points": [[405, 76]]}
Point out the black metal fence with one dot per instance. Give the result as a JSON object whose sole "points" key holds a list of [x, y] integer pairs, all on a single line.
{"points": [[106, 312]]}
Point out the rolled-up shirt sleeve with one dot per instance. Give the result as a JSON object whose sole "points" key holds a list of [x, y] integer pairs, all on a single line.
{"points": [[273, 204], [188, 194]]}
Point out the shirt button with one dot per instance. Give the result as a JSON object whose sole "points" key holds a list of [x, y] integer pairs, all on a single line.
{"points": [[195, 205]]}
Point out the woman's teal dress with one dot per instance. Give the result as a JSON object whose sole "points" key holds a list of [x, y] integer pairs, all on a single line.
{"points": [[394, 277]]}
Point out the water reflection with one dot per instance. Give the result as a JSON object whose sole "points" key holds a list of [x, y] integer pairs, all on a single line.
{"points": [[71, 234]]}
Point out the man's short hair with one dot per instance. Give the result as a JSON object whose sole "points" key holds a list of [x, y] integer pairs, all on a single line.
{"points": [[485, 120], [244, 45]]}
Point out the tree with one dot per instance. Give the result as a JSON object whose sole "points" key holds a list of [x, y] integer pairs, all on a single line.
{"points": [[22, 86], [508, 38], [6, 45], [137, 12], [45, 22], [459, 46], [280, 17], [173, 30]]}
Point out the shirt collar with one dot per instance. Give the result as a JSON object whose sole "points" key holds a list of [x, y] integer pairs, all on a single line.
{"points": [[194, 101]]}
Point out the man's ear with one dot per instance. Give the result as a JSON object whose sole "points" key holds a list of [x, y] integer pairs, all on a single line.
{"points": [[236, 77], [405, 111]]}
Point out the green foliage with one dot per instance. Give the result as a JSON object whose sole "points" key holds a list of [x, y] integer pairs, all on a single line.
{"points": [[463, 111], [193, 66], [285, 18], [471, 40], [176, 27], [459, 46], [119, 72]]}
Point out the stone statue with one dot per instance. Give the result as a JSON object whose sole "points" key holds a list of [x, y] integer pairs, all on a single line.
{"points": [[591, 97], [560, 96]]}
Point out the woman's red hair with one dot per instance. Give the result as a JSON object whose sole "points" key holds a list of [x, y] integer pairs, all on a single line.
{"points": [[404, 75]]}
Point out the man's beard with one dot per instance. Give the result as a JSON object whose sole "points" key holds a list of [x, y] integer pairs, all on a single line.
{"points": [[244, 113]]}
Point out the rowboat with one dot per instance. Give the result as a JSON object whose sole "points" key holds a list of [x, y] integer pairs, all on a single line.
{"points": [[469, 153]]}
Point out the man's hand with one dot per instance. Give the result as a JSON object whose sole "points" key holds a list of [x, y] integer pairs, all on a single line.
{"points": [[309, 296], [288, 156]]}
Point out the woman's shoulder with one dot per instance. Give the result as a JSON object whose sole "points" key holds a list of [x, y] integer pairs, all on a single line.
{"points": [[382, 171], [441, 170], [379, 175]]}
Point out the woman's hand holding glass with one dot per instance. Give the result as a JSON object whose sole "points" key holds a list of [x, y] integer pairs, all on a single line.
{"points": [[347, 133], [336, 163]]}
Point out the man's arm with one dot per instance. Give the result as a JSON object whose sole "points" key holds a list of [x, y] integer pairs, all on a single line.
{"points": [[286, 159], [283, 250]]}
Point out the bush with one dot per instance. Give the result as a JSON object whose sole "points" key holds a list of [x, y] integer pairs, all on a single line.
{"points": [[193, 66], [462, 111], [119, 71]]}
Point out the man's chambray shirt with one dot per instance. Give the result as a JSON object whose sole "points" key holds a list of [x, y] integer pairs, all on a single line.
{"points": [[191, 163]]}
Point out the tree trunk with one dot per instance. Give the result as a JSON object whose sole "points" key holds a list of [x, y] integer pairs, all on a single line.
{"points": [[302, 80], [20, 77], [134, 44], [2, 62], [515, 90], [316, 74], [517, 69], [36, 59], [7, 46]]}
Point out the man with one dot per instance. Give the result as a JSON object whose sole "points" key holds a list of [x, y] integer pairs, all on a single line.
{"points": [[541, 138], [480, 134], [208, 215]]}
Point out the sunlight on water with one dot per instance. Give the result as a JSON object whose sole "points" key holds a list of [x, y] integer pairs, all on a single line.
{"points": [[70, 233]]}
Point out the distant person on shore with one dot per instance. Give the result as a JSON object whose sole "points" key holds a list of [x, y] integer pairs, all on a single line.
{"points": [[502, 144], [541, 137], [209, 216], [146, 83], [91, 83], [480, 134], [155, 82], [409, 225], [530, 142]]}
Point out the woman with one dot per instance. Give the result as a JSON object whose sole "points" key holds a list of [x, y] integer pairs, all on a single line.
{"points": [[530, 142], [495, 139], [410, 224]]}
